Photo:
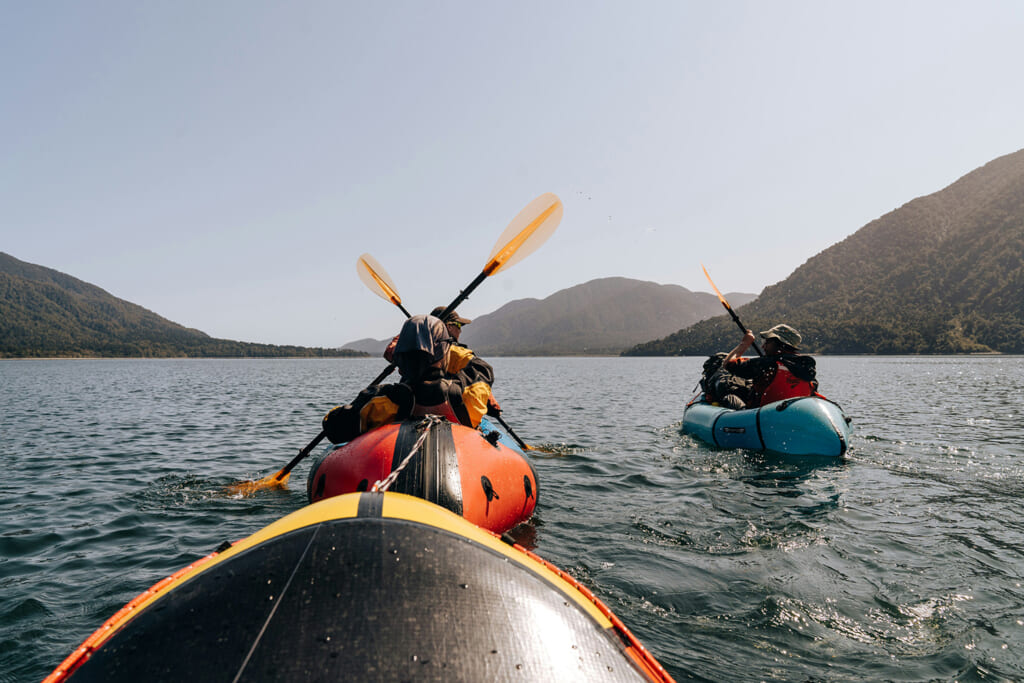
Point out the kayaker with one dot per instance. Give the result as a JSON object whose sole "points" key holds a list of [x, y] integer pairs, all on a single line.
{"points": [[453, 324], [456, 385], [439, 376], [781, 373]]}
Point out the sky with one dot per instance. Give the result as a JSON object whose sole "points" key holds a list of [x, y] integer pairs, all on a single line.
{"points": [[224, 164]]}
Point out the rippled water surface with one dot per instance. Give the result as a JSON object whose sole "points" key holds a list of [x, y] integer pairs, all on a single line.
{"points": [[903, 562]]}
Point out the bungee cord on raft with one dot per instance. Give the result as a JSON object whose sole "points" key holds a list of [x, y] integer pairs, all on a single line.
{"points": [[424, 426]]}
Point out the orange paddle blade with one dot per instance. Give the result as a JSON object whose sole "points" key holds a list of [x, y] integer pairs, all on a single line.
{"points": [[720, 297], [247, 488]]}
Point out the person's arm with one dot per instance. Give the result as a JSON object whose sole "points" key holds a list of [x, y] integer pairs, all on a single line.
{"points": [[474, 376], [389, 352], [741, 348], [475, 398], [469, 367]]}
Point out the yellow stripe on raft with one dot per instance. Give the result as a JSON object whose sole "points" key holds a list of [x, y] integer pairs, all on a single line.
{"points": [[301, 518], [395, 506]]}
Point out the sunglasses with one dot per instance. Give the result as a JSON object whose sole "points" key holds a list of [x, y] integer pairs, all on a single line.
{"points": [[455, 323]]}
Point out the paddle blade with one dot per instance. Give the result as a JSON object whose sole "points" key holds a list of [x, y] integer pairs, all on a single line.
{"points": [[247, 488], [527, 231], [377, 279], [720, 297]]}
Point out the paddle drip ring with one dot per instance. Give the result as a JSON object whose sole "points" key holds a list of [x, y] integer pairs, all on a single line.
{"points": [[423, 426]]}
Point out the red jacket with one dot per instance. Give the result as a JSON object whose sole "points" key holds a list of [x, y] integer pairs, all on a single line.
{"points": [[776, 377]]}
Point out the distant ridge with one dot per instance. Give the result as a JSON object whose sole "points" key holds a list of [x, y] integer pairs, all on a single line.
{"points": [[600, 317], [45, 313], [942, 274], [374, 347]]}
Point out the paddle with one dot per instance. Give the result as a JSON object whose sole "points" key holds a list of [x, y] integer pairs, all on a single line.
{"points": [[527, 231], [725, 303], [278, 479], [375, 274], [378, 280], [515, 437]]}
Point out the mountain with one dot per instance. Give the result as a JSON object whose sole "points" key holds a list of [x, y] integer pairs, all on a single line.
{"points": [[374, 347], [603, 316], [942, 274], [46, 313]]}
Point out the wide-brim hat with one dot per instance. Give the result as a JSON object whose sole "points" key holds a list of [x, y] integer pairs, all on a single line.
{"points": [[785, 334], [452, 317]]}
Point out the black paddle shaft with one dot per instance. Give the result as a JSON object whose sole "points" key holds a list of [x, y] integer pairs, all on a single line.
{"points": [[301, 456], [740, 324], [501, 421], [464, 294]]}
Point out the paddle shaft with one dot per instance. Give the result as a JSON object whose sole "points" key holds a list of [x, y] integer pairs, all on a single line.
{"points": [[301, 456], [463, 295], [380, 378], [515, 437], [735, 318], [740, 324]]}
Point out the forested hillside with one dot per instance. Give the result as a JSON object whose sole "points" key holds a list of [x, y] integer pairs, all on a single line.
{"points": [[45, 313], [941, 274]]}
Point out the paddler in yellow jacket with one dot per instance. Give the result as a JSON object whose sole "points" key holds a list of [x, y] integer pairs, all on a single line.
{"points": [[456, 383], [439, 376]]}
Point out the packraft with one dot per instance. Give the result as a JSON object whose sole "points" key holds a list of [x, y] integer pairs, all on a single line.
{"points": [[479, 474], [803, 426], [370, 586]]}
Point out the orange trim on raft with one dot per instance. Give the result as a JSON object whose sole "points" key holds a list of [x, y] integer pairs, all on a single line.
{"points": [[635, 649], [85, 650]]}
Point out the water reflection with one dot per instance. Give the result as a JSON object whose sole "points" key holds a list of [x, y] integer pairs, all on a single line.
{"points": [[772, 471]]}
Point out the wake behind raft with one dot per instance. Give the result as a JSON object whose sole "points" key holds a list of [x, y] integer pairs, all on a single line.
{"points": [[479, 474], [370, 586]]}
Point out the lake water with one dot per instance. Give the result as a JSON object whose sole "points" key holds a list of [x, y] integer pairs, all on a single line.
{"points": [[903, 562]]}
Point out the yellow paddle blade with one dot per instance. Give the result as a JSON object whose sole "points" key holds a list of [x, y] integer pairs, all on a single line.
{"points": [[377, 279], [720, 297], [247, 488], [527, 231], [540, 449]]}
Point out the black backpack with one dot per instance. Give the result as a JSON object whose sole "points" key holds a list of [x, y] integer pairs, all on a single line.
{"points": [[711, 366]]}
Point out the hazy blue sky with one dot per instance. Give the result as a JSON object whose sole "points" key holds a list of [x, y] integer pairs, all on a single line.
{"points": [[224, 163]]}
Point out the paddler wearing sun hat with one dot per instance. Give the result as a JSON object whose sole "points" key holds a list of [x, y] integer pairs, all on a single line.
{"points": [[439, 376], [780, 373], [458, 382], [461, 389]]}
